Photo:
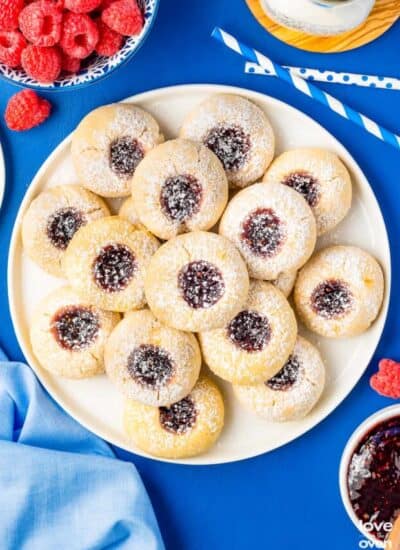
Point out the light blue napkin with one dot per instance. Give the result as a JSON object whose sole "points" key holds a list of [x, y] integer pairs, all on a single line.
{"points": [[60, 486]]}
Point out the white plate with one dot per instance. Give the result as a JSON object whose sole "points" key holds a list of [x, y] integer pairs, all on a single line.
{"points": [[95, 402], [2, 176]]}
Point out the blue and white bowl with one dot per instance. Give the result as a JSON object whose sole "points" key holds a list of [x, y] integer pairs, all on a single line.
{"points": [[98, 68]]}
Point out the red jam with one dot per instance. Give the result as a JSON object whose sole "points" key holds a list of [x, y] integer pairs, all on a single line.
{"points": [[373, 478]]}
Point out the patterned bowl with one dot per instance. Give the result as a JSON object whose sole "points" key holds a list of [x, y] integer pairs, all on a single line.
{"points": [[97, 67]]}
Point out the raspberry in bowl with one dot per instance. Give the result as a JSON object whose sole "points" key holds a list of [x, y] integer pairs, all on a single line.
{"points": [[57, 44]]}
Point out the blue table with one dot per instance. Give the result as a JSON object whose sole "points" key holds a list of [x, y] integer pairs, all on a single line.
{"points": [[288, 498]]}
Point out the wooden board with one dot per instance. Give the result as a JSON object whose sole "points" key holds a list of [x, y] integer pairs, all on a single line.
{"points": [[382, 17]]}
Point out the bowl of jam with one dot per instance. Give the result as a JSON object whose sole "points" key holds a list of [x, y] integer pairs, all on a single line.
{"points": [[370, 475]]}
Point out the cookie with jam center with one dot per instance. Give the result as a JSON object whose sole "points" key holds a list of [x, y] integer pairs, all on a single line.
{"points": [[255, 343], [108, 145], [180, 186], [127, 211], [186, 428], [294, 390], [150, 362], [237, 131], [285, 282], [106, 263], [196, 281], [68, 334], [53, 218], [321, 178], [272, 226], [339, 292]]}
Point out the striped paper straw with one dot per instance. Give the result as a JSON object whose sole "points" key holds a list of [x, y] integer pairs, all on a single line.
{"points": [[307, 88], [351, 79]]}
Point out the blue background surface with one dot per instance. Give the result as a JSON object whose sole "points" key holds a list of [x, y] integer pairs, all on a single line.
{"points": [[288, 498]]}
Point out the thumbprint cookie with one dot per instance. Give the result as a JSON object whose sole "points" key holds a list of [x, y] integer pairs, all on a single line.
{"points": [[339, 292], [237, 131], [106, 263], [293, 392], [321, 178], [196, 281], [285, 282], [109, 143], [255, 343], [53, 218], [127, 211], [150, 362], [68, 334], [180, 186], [272, 226], [186, 428]]}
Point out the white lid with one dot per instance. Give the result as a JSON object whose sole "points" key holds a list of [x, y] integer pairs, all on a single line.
{"points": [[307, 16]]}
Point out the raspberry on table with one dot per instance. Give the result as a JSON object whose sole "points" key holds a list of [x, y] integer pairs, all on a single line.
{"points": [[82, 6], [43, 64], [124, 17], [12, 43], [40, 22], [387, 380], [25, 110], [70, 64], [79, 35], [9, 12], [109, 41]]}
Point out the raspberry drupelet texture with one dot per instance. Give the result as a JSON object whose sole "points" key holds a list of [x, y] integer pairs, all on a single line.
{"points": [[70, 64], [79, 35], [9, 12], [387, 380], [109, 41], [40, 22], [12, 44], [124, 17], [26, 110], [43, 64]]}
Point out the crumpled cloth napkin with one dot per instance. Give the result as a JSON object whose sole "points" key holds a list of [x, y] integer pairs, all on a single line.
{"points": [[60, 486]]}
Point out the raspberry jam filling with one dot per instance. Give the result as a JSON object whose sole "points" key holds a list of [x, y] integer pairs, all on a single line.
{"points": [[331, 299], [75, 328], [231, 145], [373, 478], [179, 417], [201, 284], [62, 226], [125, 155], [305, 184], [150, 366], [114, 267], [286, 377], [180, 197], [250, 331], [263, 232]]}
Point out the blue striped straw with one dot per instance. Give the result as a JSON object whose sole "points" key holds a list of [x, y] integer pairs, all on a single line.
{"points": [[332, 77], [307, 88]]}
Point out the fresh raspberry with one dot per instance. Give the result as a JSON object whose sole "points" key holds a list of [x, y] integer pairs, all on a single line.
{"points": [[82, 6], [43, 64], [124, 16], [79, 35], [9, 12], [387, 380], [70, 64], [11, 45], [25, 110], [109, 41], [40, 23]]}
